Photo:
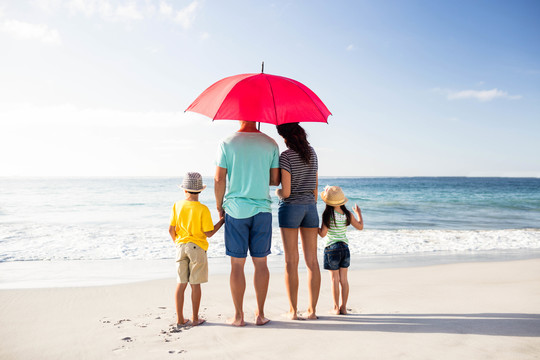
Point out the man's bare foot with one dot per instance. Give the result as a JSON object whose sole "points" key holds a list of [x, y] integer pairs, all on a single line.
{"points": [[236, 321], [261, 320], [198, 322], [343, 310]]}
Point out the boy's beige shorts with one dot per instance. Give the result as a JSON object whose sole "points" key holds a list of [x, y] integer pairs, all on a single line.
{"points": [[191, 264]]}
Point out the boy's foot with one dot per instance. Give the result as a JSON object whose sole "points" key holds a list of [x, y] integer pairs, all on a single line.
{"points": [[198, 322], [261, 320]]}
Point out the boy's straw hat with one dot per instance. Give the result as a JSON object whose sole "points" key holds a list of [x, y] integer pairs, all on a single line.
{"points": [[333, 196], [193, 182]]}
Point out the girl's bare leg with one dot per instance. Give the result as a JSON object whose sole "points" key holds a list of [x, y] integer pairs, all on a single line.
{"points": [[290, 246], [344, 290], [309, 247], [334, 277]]}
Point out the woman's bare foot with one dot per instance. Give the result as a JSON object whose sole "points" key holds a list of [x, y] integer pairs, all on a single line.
{"points": [[343, 310], [335, 311], [198, 322], [309, 316], [261, 320], [183, 322], [237, 321], [293, 315]]}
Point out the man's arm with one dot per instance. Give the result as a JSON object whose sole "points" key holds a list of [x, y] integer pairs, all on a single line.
{"points": [[220, 185], [274, 176]]}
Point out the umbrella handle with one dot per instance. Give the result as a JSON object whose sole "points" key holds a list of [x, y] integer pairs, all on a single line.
{"points": [[262, 68]]}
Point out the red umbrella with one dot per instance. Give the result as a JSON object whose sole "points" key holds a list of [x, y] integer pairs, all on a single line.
{"points": [[262, 98]]}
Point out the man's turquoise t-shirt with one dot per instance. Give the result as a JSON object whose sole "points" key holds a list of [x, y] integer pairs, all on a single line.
{"points": [[248, 158]]}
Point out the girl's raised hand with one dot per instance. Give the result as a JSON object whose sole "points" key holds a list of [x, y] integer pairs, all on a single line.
{"points": [[356, 209]]}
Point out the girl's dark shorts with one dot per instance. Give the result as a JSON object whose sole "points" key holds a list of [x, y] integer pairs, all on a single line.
{"points": [[337, 256]]}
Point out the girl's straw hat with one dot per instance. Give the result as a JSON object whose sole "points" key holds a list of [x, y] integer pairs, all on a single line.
{"points": [[193, 182], [333, 196]]}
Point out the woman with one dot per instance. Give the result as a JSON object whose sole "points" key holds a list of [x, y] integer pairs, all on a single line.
{"points": [[298, 213]]}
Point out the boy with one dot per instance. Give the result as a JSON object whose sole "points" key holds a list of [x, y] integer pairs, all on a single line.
{"points": [[190, 225]]}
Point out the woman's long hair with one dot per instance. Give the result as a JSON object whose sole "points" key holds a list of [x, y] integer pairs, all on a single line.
{"points": [[329, 215], [296, 139]]}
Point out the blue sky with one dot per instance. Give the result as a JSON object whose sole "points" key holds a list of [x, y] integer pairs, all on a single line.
{"points": [[416, 88]]}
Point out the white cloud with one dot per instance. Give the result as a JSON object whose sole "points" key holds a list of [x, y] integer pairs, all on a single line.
{"points": [[47, 5], [107, 10], [350, 47], [24, 30], [186, 16], [481, 95], [205, 35], [128, 12], [165, 8]]}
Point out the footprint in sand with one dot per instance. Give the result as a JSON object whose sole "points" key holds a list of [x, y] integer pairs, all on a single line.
{"points": [[119, 322]]}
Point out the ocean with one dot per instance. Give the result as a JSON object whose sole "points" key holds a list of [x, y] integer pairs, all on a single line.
{"points": [[103, 219]]}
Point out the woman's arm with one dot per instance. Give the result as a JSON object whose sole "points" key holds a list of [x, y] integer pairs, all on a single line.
{"points": [[358, 224], [316, 190], [285, 190]]}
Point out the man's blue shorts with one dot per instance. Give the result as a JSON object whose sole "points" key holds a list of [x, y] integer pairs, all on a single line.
{"points": [[253, 233]]}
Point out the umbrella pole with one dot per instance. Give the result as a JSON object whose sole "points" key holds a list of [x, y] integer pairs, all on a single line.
{"points": [[259, 126]]}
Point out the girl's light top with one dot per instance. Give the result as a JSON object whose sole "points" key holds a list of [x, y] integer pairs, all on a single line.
{"points": [[337, 232]]}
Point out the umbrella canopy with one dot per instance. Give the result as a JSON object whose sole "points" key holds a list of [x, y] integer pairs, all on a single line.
{"points": [[262, 98]]}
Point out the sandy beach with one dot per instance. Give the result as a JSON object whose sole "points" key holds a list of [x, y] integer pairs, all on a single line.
{"points": [[460, 311]]}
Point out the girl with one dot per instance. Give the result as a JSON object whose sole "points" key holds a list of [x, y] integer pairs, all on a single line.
{"points": [[337, 257], [297, 214]]}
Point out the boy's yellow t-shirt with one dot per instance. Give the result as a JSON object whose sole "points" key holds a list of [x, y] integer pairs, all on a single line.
{"points": [[191, 219]]}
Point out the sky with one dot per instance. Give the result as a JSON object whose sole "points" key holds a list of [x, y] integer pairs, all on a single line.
{"points": [[416, 88]]}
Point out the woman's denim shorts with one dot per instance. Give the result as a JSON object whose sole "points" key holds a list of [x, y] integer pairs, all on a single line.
{"points": [[294, 216], [337, 256]]}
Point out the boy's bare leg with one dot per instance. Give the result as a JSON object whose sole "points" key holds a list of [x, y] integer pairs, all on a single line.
{"points": [[344, 290], [196, 295], [334, 277], [238, 288], [309, 246], [290, 246], [261, 279], [179, 300]]}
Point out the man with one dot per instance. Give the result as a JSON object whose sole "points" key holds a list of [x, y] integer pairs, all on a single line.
{"points": [[249, 161]]}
